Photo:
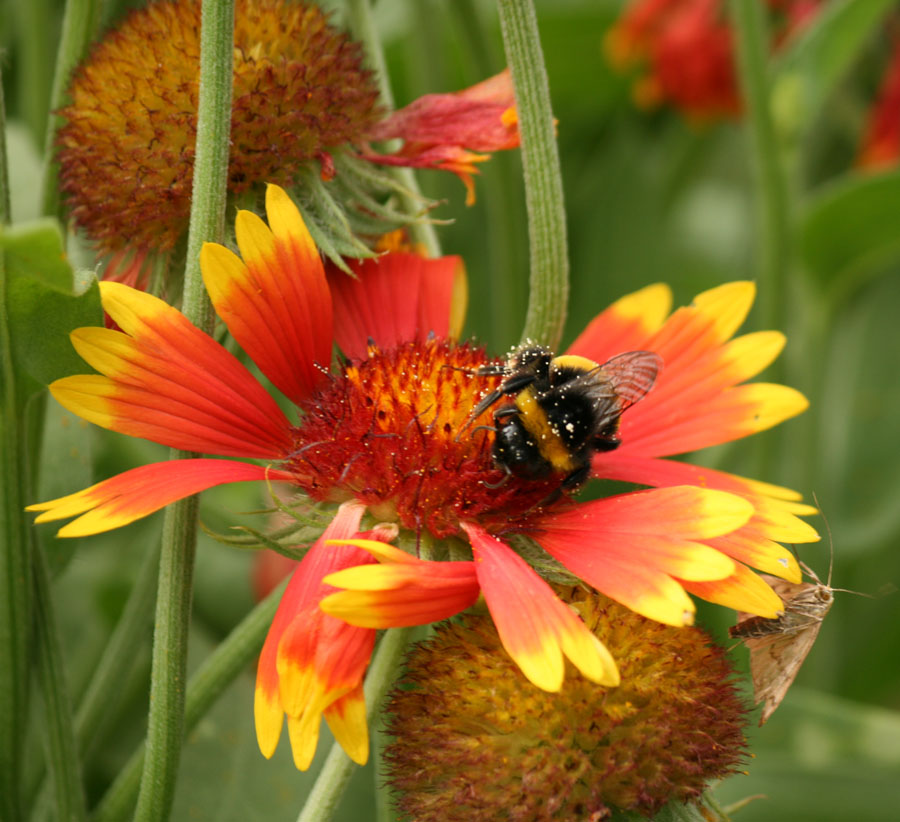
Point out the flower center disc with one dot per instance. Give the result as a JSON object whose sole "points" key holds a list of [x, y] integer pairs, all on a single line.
{"points": [[388, 431]]}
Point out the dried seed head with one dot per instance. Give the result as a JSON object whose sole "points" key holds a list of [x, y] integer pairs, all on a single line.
{"points": [[474, 740]]}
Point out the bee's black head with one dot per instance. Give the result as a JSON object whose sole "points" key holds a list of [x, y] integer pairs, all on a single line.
{"points": [[530, 357]]}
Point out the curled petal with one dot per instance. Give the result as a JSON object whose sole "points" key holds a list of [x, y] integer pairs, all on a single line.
{"points": [[275, 301], [166, 381], [310, 660], [139, 492], [535, 627], [447, 130], [401, 591]]}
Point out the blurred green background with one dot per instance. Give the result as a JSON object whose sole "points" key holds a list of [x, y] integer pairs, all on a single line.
{"points": [[650, 197]]}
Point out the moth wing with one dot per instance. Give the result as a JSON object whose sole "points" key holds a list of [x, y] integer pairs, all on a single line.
{"points": [[779, 647], [775, 661]]}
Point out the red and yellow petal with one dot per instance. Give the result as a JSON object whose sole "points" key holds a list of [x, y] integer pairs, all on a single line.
{"points": [[743, 590], [165, 380], [275, 301], [775, 517], [346, 717], [395, 298], [447, 130], [634, 547], [697, 399], [141, 491], [311, 660], [536, 628], [402, 591], [712, 420], [626, 325]]}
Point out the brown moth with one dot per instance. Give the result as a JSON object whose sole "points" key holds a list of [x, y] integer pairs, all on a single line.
{"points": [[779, 646]]}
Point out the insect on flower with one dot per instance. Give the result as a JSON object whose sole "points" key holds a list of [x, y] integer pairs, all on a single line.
{"points": [[563, 409], [778, 647]]}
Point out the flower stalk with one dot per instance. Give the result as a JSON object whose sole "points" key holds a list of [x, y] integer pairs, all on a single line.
{"points": [[209, 682], [15, 556], [78, 25], [165, 732], [549, 266]]}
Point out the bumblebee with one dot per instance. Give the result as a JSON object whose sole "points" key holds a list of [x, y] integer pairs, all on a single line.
{"points": [[562, 410]]}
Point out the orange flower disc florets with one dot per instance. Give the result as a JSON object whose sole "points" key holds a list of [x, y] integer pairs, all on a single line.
{"points": [[389, 432], [127, 150]]}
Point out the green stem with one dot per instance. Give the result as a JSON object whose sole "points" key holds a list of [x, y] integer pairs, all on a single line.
{"points": [[78, 26], [32, 37], [752, 54], [62, 757], [165, 722], [338, 768], [549, 264], [165, 729], [15, 542], [209, 682], [363, 26]]}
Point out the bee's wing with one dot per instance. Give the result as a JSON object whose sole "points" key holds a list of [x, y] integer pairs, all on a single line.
{"points": [[631, 375]]}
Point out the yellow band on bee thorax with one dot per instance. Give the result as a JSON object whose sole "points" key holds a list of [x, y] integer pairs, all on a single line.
{"points": [[534, 418]]}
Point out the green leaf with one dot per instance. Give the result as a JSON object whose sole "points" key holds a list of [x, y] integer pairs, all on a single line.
{"points": [[815, 61], [850, 230], [43, 307]]}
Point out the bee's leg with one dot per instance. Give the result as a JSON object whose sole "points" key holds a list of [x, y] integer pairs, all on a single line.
{"points": [[576, 479], [503, 413], [571, 482], [493, 485], [609, 443]]}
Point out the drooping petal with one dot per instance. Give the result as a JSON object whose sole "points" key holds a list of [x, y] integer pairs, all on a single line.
{"points": [[535, 627], [346, 717], [275, 301], [626, 325], [446, 130], [139, 492], [166, 381], [397, 297], [633, 547], [401, 591], [309, 659]]}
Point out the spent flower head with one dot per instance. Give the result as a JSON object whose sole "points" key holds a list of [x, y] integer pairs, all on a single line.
{"points": [[304, 109], [473, 741], [389, 437]]}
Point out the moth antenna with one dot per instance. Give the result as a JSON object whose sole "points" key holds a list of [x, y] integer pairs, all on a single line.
{"points": [[830, 540]]}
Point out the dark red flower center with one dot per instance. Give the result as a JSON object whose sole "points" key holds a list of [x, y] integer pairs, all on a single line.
{"points": [[391, 432]]}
